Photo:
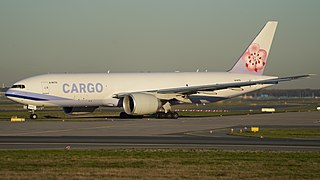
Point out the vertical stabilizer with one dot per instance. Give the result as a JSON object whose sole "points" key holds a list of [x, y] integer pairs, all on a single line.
{"points": [[254, 59]]}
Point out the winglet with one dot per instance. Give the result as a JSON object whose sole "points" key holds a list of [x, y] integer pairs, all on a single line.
{"points": [[254, 59]]}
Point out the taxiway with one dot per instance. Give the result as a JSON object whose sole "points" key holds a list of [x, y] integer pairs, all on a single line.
{"points": [[199, 132]]}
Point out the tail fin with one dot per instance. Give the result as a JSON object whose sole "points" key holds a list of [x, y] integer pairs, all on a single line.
{"points": [[255, 57]]}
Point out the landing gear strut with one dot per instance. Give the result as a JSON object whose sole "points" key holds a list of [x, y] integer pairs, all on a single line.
{"points": [[168, 115]]}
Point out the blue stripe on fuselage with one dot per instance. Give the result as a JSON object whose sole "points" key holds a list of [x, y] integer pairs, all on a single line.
{"points": [[26, 97], [32, 96]]}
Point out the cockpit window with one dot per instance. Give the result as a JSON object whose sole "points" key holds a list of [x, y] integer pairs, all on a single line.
{"points": [[19, 86]]}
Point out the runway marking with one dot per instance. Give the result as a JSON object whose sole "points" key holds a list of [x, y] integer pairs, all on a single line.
{"points": [[209, 135], [153, 145], [37, 132], [55, 131], [72, 129]]}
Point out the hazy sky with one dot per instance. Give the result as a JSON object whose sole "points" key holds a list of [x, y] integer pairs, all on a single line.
{"points": [[39, 36]]}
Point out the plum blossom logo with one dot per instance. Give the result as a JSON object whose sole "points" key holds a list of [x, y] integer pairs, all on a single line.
{"points": [[255, 58]]}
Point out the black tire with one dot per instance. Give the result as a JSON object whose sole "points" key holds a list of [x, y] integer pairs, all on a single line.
{"points": [[124, 115], [162, 115], [169, 115], [175, 115], [137, 117], [33, 116]]}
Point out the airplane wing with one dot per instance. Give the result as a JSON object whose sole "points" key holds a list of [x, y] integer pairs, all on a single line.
{"points": [[212, 87]]}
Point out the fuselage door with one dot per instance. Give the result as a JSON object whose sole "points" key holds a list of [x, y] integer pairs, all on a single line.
{"points": [[45, 87]]}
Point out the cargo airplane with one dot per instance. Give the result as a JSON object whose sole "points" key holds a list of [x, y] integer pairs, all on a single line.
{"points": [[149, 93]]}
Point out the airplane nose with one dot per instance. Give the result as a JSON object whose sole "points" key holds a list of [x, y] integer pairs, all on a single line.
{"points": [[8, 93]]}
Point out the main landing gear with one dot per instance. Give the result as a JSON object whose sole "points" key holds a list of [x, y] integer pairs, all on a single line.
{"points": [[159, 115], [168, 115]]}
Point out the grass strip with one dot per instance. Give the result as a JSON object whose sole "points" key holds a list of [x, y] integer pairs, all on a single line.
{"points": [[147, 164]]}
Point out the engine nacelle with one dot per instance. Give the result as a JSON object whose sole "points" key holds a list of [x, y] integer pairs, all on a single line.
{"points": [[141, 104], [79, 110]]}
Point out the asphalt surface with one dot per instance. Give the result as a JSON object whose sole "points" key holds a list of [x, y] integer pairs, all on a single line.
{"points": [[199, 132]]}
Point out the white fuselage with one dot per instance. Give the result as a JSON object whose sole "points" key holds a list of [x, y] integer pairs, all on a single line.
{"points": [[98, 89]]}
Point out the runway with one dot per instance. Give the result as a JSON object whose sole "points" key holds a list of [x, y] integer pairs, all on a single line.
{"points": [[200, 132]]}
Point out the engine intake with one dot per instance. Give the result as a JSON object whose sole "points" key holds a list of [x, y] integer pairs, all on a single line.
{"points": [[141, 104]]}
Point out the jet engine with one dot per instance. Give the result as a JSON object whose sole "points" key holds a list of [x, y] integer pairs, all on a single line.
{"points": [[141, 104], [79, 110]]}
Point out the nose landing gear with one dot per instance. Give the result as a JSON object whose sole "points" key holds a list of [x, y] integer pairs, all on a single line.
{"points": [[33, 116], [32, 110]]}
